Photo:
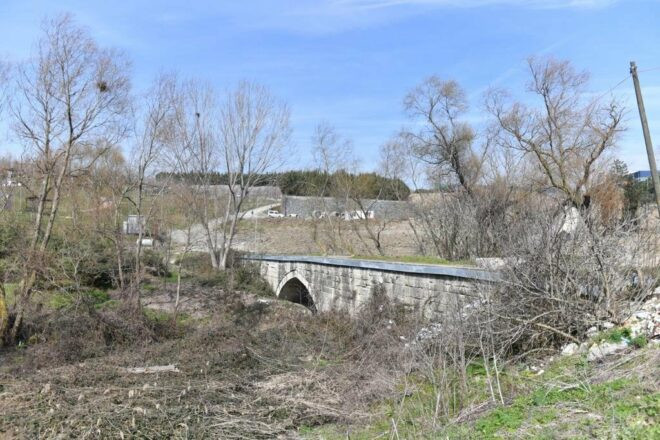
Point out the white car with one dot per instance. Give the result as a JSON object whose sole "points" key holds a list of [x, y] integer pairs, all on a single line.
{"points": [[274, 214]]}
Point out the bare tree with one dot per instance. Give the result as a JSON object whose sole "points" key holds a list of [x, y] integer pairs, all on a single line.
{"points": [[153, 133], [70, 96], [444, 140], [243, 137], [398, 160], [443, 221], [396, 165], [332, 153], [4, 85], [4, 201], [567, 133], [195, 154], [254, 131], [110, 186], [366, 202]]}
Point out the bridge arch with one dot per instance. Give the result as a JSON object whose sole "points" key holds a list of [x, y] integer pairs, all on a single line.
{"points": [[295, 288]]}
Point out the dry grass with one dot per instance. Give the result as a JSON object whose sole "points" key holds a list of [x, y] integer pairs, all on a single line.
{"points": [[313, 237], [252, 369]]}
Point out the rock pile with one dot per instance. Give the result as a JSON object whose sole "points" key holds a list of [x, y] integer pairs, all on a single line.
{"points": [[598, 351], [645, 323], [429, 333]]}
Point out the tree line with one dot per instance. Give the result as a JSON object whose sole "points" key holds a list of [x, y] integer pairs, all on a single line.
{"points": [[309, 183]]}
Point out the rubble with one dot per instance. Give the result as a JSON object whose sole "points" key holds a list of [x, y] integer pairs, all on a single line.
{"points": [[646, 320], [598, 351], [643, 322], [430, 332], [570, 349]]}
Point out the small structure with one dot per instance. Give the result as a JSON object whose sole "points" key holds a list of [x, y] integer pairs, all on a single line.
{"points": [[640, 176], [134, 224], [10, 181]]}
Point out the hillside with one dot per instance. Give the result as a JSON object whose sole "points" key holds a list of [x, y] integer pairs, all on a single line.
{"points": [[243, 365]]}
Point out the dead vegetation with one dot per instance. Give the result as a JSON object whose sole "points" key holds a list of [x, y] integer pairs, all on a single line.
{"points": [[250, 369]]}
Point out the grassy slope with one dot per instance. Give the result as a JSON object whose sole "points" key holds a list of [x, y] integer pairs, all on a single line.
{"points": [[572, 398], [418, 259]]}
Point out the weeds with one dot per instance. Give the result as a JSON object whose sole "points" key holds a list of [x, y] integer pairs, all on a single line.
{"points": [[416, 259], [639, 341]]}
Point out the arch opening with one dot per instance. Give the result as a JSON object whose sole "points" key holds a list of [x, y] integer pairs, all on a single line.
{"points": [[295, 291]]}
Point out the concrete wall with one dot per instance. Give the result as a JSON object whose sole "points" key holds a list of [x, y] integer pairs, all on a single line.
{"points": [[306, 206], [344, 285]]}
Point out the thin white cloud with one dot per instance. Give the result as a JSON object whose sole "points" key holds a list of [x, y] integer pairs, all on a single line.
{"points": [[323, 16], [378, 4]]}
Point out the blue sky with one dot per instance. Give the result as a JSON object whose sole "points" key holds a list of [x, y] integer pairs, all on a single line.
{"points": [[350, 62]]}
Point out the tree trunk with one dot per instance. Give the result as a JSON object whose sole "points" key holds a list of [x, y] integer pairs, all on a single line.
{"points": [[21, 304], [137, 280], [210, 247], [226, 247], [31, 274], [4, 314]]}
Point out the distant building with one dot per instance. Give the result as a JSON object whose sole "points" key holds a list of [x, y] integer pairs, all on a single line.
{"points": [[10, 180], [322, 207], [640, 176], [134, 224]]}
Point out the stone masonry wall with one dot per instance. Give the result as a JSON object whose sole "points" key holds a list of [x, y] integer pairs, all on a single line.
{"points": [[349, 288]]}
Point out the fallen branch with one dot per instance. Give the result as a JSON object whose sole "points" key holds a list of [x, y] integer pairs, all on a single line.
{"points": [[154, 369]]}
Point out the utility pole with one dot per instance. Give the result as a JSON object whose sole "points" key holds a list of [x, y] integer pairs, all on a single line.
{"points": [[647, 135]]}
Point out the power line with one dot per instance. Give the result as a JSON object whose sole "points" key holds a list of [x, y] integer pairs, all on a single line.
{"points": [[649, 70], [614, 87]]}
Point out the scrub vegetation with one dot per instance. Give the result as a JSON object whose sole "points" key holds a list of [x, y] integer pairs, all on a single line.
{"points": [[126, 309]]}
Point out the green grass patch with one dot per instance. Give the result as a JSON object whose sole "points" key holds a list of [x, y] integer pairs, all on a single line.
{"points": [[160, 317], [108, 305], [616, 334], [510, 418], [98, 296], [619, 404], [560, 403], [476, 369], [417, 405], [61, 300], [415, 259], [173, 277], [245, 278], [10, 293], [148, 287], [639, 341]]}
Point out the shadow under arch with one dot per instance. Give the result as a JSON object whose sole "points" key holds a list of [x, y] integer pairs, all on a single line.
{"points": [[294, 288]]}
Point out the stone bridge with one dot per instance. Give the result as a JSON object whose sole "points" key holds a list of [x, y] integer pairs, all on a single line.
{"points": [[325, 283]]}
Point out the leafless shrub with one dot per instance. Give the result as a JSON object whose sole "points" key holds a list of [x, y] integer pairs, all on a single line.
{"points": [[78, 332], [566, 273]]}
